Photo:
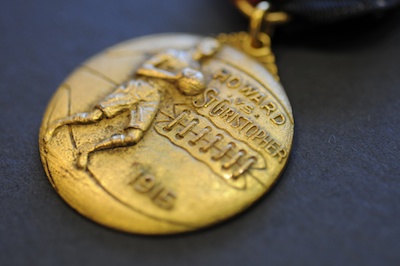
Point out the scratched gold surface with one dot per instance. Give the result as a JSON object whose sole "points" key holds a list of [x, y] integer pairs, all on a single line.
{"points": [[182, 174]]}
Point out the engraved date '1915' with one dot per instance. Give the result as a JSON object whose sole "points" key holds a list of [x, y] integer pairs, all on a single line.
{"points": [[160, 195]]}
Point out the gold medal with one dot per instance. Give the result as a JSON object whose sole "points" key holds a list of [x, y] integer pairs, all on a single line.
{"points": [[169, 133]]}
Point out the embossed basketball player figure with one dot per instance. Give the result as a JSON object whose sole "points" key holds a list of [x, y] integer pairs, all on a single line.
{"points": [[141, 96]]}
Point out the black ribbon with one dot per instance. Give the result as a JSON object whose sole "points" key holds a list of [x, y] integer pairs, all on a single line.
{"points": [[333, 10]]}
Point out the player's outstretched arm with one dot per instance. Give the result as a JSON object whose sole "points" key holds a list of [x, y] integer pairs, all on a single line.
{"points": [[150, 68]]}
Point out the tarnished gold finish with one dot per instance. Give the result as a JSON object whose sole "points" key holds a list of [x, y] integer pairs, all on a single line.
{"points": [[166, 134], [141, 96], [275, 18]]}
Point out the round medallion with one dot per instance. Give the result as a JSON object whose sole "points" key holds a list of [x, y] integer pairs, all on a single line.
{"points": [[166, 134]]}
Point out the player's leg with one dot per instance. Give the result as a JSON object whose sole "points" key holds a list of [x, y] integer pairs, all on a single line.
{"points": [[140, 119], [80, 118], [131, 137]]}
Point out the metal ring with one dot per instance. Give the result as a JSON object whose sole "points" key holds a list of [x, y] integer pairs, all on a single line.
{"points": [[257, 21], [248, 9]]}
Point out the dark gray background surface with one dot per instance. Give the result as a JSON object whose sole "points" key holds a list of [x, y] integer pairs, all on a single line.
{"points": [[337, 203]]}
